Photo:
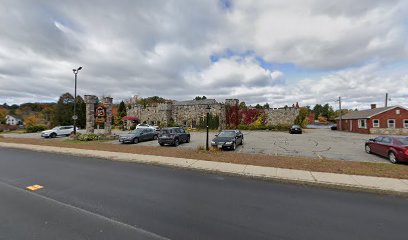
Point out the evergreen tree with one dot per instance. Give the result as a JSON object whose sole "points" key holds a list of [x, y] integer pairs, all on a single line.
{"points": [[64, 110]]}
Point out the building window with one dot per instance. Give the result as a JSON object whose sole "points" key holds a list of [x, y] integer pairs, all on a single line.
{"points": [[376, 123], [362, 123], [397, 112], [405, 123], [391, 123]]}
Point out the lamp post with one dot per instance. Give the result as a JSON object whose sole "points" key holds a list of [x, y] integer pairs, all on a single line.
{"points": [[208, 108], [75, 117]]}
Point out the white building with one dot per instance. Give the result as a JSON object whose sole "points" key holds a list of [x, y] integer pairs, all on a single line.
{"points": [[12, 120]]}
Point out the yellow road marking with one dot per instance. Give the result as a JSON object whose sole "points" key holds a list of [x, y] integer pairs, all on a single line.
{"points": [[34, 187]]}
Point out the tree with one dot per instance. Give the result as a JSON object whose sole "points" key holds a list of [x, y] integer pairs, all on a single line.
{"points": [[122, 109], [258, 106], [64, 110], [3, 114], [32, 120], [301, 119], [266, 106], [200, 98], [81, 112], [242, 105]]}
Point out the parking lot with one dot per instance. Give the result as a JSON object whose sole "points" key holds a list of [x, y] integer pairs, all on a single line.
{"points": [[315, 143]]}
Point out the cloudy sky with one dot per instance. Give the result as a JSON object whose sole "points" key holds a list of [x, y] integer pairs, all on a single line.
{"points": [[274, 51]]}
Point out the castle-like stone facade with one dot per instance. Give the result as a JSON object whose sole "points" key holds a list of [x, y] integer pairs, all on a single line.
{"points": [[191, 113]]}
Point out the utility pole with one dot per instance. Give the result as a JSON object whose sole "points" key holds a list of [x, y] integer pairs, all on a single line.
{"points": [[386, 100], [340, 114]]}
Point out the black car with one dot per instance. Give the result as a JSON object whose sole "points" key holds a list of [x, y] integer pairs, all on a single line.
{"points": [[228, 139], [139, 135], [173, 136], [295, 129], [333, 127]]}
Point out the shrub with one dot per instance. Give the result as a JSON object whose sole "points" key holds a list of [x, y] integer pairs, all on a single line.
{"points": [[278, 127], [87, 137], [94, 137], [35, 128], [242, 127]]}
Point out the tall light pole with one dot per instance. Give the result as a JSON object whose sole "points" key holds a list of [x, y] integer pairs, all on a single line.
{"points": [[75, 117], [208, 108]]}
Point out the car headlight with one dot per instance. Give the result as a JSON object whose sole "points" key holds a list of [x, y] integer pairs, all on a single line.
{"points": [[212, 142], [229, 143]]}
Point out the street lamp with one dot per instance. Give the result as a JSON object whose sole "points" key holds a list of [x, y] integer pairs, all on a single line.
{"points": [[75, 117], [208, 108]]}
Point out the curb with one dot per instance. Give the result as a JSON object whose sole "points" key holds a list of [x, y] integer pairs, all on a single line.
{"points": [[357, 182]]}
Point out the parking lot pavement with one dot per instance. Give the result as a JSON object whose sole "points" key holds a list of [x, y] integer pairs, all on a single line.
{"points": [[314, 143]]}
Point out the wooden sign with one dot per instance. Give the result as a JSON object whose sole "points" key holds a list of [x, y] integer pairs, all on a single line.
{"points": [[100, 115]]}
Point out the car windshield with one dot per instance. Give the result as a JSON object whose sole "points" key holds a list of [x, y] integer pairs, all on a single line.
{"points": [[137, 131], [166, 131], [404, 141], [226, 134], [295, 126]]}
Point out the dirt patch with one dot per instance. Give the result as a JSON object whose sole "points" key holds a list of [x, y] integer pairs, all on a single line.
{"points": [[300, 163]]}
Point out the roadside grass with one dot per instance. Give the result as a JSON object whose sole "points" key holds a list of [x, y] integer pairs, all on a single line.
{"points": [[72, 141], [299, 163]]}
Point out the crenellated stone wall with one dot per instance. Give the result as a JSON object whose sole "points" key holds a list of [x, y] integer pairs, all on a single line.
{"points": [[281, 116], [189, 113]]}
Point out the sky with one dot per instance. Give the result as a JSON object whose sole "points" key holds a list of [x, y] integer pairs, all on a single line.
{"points": [[263, 51]]}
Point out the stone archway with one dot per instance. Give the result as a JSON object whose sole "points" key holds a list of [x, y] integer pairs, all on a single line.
{"points": [[104, 117]]}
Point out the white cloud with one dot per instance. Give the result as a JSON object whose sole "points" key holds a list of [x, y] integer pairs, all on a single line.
{"points": [[164, 48]]}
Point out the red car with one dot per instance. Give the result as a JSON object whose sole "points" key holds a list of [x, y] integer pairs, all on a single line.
{"points": [[395, 148]]}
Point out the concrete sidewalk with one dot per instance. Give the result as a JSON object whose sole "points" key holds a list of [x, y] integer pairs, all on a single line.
{"points": [[334, 179]]}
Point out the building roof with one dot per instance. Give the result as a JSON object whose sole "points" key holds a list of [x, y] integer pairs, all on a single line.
{"points": [[17, 118], [367, 113], [195, 102]]}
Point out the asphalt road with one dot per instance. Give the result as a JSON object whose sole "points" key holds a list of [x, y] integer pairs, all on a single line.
{"points": [[86, 198]]}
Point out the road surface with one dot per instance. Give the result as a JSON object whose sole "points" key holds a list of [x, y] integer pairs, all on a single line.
{"points": [[85, 198]]}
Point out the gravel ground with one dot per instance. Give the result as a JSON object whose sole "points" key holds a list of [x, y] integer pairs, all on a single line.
{"points": [[313, 143]]}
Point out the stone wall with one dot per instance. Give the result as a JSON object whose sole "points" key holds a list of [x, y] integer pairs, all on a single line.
{"points": [[281, 116], [389, 131], [90, 101], [191, 115]]}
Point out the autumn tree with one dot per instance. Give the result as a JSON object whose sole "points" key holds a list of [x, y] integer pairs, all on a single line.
{"points": [[301, 119]]}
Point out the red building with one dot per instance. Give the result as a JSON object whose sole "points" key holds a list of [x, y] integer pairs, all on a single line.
{"points": [[385, 120]]}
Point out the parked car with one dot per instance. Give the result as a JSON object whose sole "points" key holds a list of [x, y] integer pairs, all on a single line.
{"points": [[58, 131], [173, 136], [333, 127], [295, 129], [228, 139], [144, 125], [395, 148], [139, 135]]}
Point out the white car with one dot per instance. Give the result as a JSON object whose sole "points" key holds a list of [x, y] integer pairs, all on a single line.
{"points": [[144, 125], [58, 131]]}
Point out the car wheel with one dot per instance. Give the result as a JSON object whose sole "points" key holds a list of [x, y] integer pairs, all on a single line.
{"points": [[155, 137], [392, 157], [368, 149], [136, 140], [176, 142], [53, 135], [188, 140], [242, 141], [234, 146], [161, 144]]}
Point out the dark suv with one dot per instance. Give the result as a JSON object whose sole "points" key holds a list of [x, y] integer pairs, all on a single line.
{"points": [[173, 136]]}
